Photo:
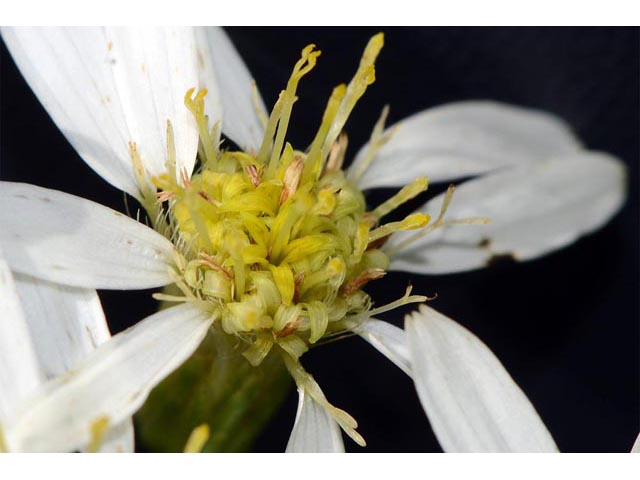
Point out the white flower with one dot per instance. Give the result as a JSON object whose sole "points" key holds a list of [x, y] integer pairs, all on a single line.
{"points": [[112, 91]]}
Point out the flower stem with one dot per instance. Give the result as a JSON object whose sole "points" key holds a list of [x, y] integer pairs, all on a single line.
{"points": [[216, 386]]}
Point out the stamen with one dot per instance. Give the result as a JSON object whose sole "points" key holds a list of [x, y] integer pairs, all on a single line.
{"points": [[364, 77], [270, 131], [378, 139], [289, 328], [206, 196], [185, 177], [147, 191], [140, 172], [306, 382], [196, 107], [163, 297], [406, 299], [408, 192], [337, 154], [413, 221], [99, 429], [291, 179], [255, 97], [252, 173], [197, 439], [438, 223], [164, 196], [362, 279], [171, 151], [210, 262], [302, 67], [297, 281], [315, 157]]}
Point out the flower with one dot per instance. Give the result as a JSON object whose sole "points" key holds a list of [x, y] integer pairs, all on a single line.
{"points": [[234, 225]]}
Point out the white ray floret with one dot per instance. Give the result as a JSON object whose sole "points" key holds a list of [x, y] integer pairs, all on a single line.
{"points": [[533, 210], [112, 382], [314, 429], [46, 330], [472, 403], [106, 87], [464, 139], [241, 122], [72, 241], [389, 340]]}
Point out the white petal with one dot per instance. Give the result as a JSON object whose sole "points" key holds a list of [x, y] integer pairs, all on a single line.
{"points": [[463, 139], [106, 87], [66, 323], [636, 445], [112, 382], [389, 340], [471, 401], [533, 211], [69, 240], [120, 439], [240, 121], [19, 371], [314, 430]]}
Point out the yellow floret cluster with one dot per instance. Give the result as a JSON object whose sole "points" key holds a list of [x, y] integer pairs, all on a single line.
{"points": [[278, 244]]}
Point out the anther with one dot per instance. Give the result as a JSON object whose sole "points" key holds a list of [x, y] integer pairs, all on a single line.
{"points": [[291, 179], [209, 261], [253, 174], [362, 279]]}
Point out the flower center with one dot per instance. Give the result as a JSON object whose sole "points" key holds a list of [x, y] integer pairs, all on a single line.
{"points": [[279, 245]]}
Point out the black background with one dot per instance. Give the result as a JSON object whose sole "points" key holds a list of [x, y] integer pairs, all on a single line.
{"points": [[565, 326]]}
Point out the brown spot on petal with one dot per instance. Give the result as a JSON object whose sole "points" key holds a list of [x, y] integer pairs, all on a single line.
{"points": [[484, 243]]}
